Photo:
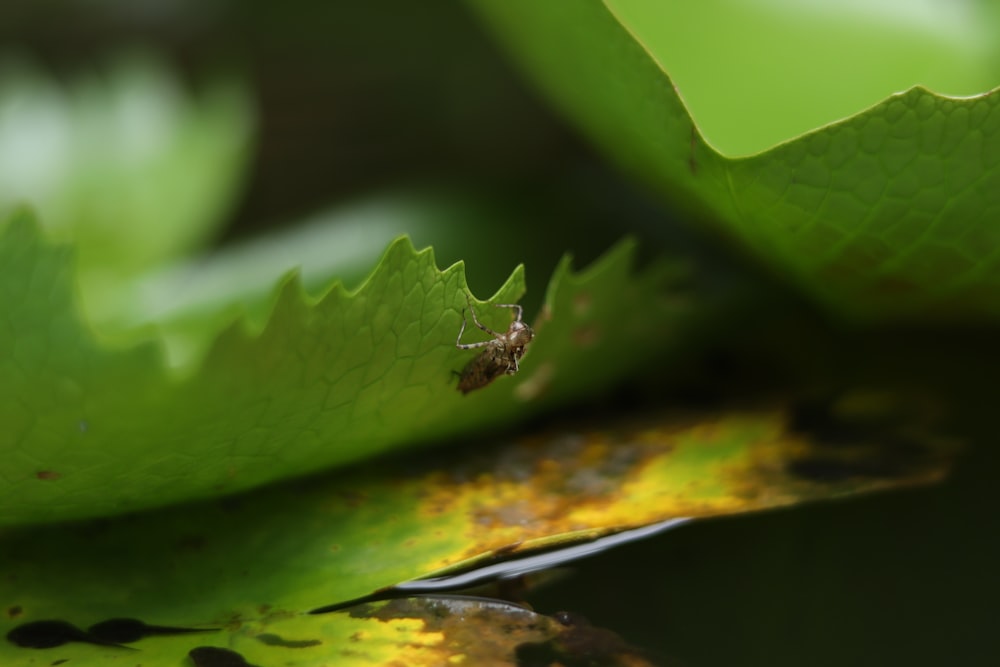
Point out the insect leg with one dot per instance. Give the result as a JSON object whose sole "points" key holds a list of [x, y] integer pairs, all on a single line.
{"points": [[468, 346], [517, 309], [476, 320]]}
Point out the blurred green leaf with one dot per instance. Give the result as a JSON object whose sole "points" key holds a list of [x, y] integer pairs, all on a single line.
{"points": [[125, 163], [755, 74], [887, 215]]}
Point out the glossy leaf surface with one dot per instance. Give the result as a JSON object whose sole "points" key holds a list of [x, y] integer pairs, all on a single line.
{"points": [[889, 214]]}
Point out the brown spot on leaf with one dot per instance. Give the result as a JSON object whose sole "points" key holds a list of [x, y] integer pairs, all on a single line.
{"points": [[586, 336], [192, 543], [128, 630], [52, 634], [271, 639], [481, 631], [893, 286], [213, 656], [582, 303], [353, 499], [48, 475], [14, 611]]}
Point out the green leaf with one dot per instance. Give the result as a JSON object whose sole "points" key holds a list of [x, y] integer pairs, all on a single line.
{"points": [[885, 215], [124, 162], [98, 426], [805, 64], [252, 567], [192, 301]]}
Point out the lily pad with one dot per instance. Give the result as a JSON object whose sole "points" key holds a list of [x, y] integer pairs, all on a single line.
{"points": [[245, 572], [886, 215]]}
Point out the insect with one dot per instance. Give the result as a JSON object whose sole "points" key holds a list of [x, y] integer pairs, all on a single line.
{"points": [[499, 356]]}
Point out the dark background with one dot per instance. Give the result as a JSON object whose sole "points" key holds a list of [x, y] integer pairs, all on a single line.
{"points": [[357, 97]]}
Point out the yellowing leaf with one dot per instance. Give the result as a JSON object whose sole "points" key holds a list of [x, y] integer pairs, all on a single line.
{"points": [[254, 566]]}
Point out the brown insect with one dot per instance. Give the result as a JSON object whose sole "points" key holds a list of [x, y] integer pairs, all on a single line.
{"points": [[499, 356]]}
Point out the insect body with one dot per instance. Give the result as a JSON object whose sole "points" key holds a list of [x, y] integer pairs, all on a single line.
{"points": [[499, 356]]}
